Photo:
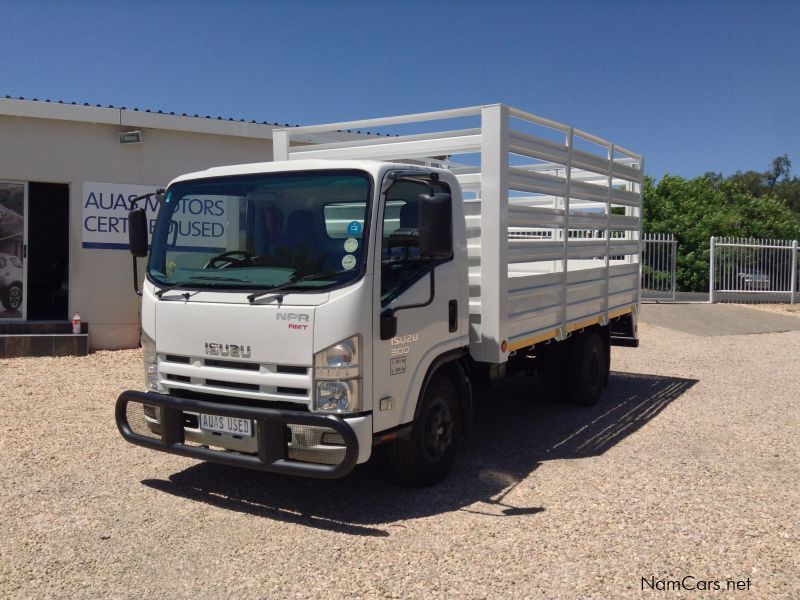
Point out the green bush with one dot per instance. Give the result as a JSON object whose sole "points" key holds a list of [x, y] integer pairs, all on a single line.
{"points": [[747, 204]]}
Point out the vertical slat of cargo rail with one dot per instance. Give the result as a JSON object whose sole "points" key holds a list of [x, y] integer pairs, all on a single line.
{"points": [[608, 232], [639, 217], [565, 262], [494, 233]]}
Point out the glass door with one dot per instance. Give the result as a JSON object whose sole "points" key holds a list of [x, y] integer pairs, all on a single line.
{"points": [[13, 250]]}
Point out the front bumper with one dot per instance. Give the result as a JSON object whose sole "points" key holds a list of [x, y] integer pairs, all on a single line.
{"points": [[272, 433]]}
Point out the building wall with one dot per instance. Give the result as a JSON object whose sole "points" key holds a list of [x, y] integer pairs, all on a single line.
{"points": [[60, 151]]}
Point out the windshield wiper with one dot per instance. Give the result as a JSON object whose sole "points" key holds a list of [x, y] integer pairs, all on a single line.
{"points": [[217, 278], [175, 286], [291, 283]]}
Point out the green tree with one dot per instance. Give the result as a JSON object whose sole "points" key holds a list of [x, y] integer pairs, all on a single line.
{"points": [[781, 167], [742, 205]]}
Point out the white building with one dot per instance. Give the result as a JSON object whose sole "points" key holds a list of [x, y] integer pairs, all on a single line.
{"points": [[66, 174]]}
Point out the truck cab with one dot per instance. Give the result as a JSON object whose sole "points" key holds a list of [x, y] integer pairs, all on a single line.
{"points": [[312, 295]]}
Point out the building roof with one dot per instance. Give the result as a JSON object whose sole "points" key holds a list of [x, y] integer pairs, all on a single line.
{"points": [[139, 118], [134, 117]]}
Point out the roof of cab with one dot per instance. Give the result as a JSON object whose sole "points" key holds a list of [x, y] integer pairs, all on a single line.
{"points": [[294, 165]]}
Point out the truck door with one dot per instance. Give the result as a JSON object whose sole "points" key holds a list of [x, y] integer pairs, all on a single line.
{"points": [[403, 278]]}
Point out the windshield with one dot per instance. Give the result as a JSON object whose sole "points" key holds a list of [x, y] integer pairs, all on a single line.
{"points": [[255, 232]]}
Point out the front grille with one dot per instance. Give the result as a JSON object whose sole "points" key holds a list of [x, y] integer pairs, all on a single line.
{"points": [[232, 384], [290, 370], [178, 359], [183, 378], [236, 378], [232, 364], [289, 390], [210, 397]]}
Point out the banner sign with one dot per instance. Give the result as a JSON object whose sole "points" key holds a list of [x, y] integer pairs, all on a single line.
{"points": [[199, 224]]}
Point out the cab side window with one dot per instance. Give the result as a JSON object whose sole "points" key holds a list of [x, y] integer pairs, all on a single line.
{"points": [[401, 264]]}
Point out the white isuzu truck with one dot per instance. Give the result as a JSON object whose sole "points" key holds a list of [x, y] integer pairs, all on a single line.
{"points": [[297, 314]]}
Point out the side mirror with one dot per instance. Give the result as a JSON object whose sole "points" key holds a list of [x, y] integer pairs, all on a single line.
{"points": [[137, 232], [436, 226]]}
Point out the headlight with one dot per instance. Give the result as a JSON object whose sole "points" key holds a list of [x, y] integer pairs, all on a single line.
{"points": [[342, 360], [337, 373], [150, 363], [339, 355], [338, 396]]}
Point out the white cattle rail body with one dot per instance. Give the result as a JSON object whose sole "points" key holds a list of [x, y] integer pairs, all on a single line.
{"points": [[753, 270], [659, 262], [553, 214]]}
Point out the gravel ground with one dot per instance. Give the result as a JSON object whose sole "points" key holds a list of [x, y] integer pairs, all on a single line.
{"points": [[689, 466]]}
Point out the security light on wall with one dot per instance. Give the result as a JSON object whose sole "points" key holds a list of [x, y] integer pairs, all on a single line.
{"points": [[130, 137]]}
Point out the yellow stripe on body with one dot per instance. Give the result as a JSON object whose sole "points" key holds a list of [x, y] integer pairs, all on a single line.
{"points": [[580, 325]]}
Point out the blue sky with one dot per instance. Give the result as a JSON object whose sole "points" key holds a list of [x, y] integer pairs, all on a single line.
{"points": [[694, 86]]}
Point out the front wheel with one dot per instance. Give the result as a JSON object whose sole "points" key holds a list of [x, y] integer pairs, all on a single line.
{"points": [[427, 456]]}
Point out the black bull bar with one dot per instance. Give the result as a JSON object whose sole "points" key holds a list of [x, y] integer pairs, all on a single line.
{"points": [[270, 432]]}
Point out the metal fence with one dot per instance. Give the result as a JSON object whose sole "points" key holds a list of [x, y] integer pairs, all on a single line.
{"points": [[659, 258], [753, 270]]}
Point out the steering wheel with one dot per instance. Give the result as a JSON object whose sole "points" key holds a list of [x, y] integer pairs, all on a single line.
{"points": [[231, 257]]}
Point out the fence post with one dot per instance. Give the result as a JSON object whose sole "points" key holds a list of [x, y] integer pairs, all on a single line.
{"points": [[794, 269], [674, 244], [711, 271]]}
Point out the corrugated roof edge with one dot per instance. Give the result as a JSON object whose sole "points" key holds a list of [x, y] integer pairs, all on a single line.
{"points": [[135, 117]]}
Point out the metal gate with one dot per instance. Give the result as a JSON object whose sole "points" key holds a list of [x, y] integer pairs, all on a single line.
{"points": [[659, 257], [753, 270]]}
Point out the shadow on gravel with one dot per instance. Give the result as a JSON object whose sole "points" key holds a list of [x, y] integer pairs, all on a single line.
{"points": [[513, 434]]}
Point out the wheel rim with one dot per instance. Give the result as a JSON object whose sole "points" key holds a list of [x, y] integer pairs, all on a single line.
{"points": [[438, 430], [15, 297]]}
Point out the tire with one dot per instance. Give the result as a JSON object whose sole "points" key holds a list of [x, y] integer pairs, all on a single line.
{"points": [[13, 297], [427, 456], [588, 361]]}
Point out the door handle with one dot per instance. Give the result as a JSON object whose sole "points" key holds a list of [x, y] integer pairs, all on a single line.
{"points": [[452, 315]]}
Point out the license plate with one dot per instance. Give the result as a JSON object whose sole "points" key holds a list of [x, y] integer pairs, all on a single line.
{"points": [[232, 425]]}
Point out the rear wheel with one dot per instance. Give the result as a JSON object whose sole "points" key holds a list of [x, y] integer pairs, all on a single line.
{"points": [[427, 456], [588, 361]]}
